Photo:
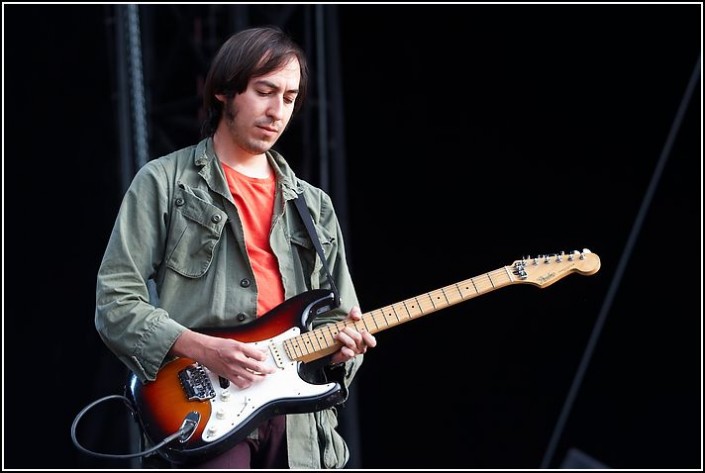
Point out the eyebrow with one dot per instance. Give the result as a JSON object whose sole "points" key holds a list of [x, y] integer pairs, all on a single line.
{"points": [[272, 85]]}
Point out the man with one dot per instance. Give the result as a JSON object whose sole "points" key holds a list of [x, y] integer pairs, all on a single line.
{"points": [[215, 227]]}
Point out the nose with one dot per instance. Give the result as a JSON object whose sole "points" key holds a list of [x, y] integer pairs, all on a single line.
{"points": [[276, 108]]}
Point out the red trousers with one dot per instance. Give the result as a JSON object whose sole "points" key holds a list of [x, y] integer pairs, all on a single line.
{"points": [[267, 452]]}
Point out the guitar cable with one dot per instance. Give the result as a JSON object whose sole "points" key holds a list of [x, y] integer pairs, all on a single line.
{"points": [[185, 431]]}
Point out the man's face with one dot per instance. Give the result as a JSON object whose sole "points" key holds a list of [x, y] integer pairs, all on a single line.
{"points": [[257, 117]]}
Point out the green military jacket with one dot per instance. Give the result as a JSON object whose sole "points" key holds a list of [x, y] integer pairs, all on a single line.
{"points": [[179, 228]]}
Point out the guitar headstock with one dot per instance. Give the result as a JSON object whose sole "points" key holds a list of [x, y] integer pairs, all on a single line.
{"points": [[544, 270]]}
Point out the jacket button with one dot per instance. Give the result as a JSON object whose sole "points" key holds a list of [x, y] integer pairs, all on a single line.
{"points": [[215, 218], [179, 202], [241, 316], [245, 283]]}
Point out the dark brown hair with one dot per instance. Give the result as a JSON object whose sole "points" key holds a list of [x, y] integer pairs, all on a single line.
{"points": [[249, 53]]}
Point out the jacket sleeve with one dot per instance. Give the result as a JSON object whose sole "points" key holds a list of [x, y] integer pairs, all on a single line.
{"points": [[139, 333]]}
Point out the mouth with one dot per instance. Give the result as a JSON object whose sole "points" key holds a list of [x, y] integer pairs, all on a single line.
{"points": [[269, 129]]}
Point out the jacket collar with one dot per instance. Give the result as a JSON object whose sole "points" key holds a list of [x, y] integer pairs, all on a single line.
{"points": [[211, 171]]}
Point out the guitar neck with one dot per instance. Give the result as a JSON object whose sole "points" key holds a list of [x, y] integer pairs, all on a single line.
{"points": [[320, 342], [540, 271]]}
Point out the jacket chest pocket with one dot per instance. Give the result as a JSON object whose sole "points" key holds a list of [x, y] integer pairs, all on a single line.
{"points": [[311, 264], [196, 228]]}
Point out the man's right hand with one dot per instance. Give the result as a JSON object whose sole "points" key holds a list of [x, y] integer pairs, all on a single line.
{"points": [[241, 363]]}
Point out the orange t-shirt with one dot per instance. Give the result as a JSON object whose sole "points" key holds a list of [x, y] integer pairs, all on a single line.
{"points": [[254, 198]]}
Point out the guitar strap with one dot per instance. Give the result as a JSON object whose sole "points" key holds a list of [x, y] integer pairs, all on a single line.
{"points": [[300, 202], [337, 372]]}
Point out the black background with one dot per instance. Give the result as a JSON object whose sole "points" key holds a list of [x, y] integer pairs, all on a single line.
{"points": [[475, 135]]}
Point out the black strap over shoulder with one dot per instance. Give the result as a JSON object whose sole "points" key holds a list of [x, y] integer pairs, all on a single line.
{"points": [[308, 222]]}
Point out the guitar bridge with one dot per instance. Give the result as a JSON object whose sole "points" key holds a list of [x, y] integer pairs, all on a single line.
{"points": [[196, 384]]}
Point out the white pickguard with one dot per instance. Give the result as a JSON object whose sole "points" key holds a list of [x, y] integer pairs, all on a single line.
{"points": [[232, 406]]}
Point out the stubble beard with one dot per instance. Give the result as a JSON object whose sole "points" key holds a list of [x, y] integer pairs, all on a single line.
{"points": [[251, 145]]}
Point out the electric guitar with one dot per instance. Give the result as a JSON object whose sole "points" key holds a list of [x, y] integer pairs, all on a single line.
{"points": [[207, 414]]}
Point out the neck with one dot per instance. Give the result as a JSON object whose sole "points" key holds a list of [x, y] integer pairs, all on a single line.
{"points": [[251, 165]]}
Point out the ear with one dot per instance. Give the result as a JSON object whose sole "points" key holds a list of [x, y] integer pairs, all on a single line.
{"points": [[220, 97]]}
